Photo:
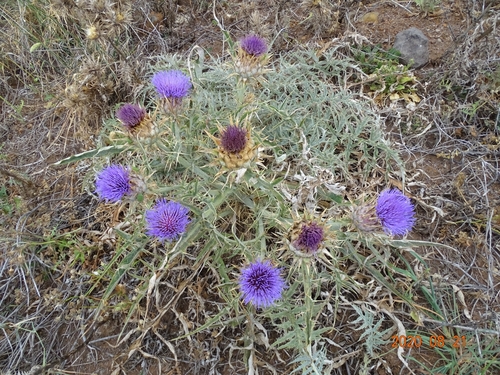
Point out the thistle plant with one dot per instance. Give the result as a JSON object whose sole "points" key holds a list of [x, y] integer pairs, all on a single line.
{"points": [[280, 234]]}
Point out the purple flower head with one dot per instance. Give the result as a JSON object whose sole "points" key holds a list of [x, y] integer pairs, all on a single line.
{"points": [[167, 220], [253, 45], [233, 139], [310, 237], [261, 284], [113, 183], [395, 212], [172, 84], [130, 115]]}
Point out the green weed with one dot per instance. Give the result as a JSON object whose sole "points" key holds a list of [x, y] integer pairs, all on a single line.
{"points": [[386, 77], [427, 6], [8, 205]]}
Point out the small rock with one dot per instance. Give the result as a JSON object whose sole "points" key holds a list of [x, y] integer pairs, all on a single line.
{"points": [[371, 17], [413, 45]]}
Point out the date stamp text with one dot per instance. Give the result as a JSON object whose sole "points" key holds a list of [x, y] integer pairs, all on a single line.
{"points": [[433, 341]]}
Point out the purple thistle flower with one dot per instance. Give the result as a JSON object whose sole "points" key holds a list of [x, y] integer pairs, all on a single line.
{"points": [[310, 237], [395, 212], [172, 84], [253, 45], [130, 115], [113, 183], [233, 139], [261, 284], [167, 220]]}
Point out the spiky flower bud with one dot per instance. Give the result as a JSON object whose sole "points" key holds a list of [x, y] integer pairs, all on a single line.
{"points": [[310, 237], [365, 219], [137, 184], [235, 146], [130, 115], [306, 236], [135, 120], [233, 139]]}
